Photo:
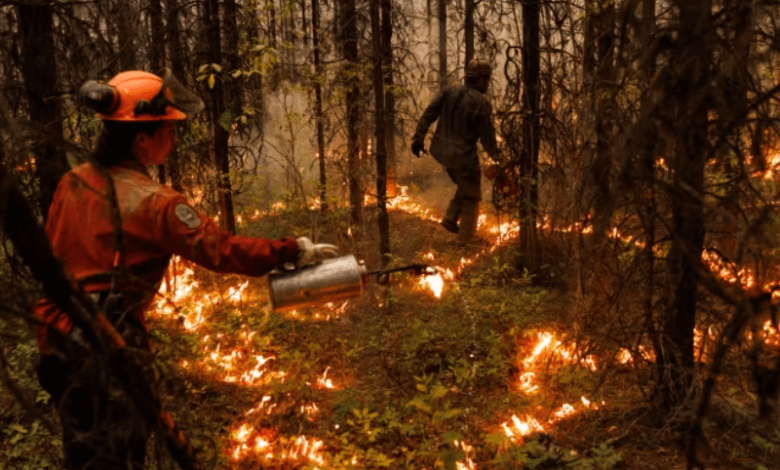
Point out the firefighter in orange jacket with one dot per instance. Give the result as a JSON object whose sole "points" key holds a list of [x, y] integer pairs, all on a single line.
{"points": [[138, 111]]}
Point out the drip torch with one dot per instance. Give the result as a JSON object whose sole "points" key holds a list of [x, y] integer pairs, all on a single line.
{"points": [[329, 280]]}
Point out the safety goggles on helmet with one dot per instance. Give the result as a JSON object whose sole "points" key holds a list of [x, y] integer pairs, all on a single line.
{"points": [[140, 96], [173, 94]]}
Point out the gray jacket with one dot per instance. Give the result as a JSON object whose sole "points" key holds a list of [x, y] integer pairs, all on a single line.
{"points": [[464, 116]]}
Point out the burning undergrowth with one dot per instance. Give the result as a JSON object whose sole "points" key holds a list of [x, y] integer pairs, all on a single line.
{"points": [[452, 367]]}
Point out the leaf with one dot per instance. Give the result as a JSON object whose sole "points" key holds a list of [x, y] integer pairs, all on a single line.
{"points": [[17, 428], [450, 436], [448, 414], [225, 120], [236, 73], [212, 81], [498, 439], [450, 458], [422, 387], [419, 403], [216, 67], [203, 68], [438, 391]]}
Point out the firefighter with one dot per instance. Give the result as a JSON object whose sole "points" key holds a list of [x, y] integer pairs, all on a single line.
{"points": [[464, 115], [138, 112]]}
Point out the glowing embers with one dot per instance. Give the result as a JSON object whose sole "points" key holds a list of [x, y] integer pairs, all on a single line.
{"points": [[265, 445], [235, 363], [768, 334], [467, 463], [519, 428], [728, 271], [546, 350], [548, 346], [324, 381], [624, 356], [526, 383], [403, 202], [183, 296]]}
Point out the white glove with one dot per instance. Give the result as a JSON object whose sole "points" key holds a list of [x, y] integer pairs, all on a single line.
{"points": [[309, 253]]}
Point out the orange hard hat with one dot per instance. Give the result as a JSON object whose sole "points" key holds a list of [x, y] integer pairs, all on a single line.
{"points": [[140, 96]]}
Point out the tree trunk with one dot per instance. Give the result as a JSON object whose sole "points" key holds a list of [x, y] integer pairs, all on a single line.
{"points": [[126, 18], [235, 85], [381, 151], [691, 67], [315, 23], [733, 109], [304, 23], [530, 257], [645, 194], [469, 33], [177, 66], [157, 52], [602, 17], [349, 42], [221, 156], [39, 71], [255, 82], [442, 44], [387, 58]]}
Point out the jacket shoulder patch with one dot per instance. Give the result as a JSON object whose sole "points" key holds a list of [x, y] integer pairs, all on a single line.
{"points": [[187, 216]]}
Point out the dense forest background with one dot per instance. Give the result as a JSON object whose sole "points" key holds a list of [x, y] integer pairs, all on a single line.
{"points": [[629, 258]]}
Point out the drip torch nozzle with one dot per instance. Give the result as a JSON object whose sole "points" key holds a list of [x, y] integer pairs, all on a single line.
{"points": [[383, 276]]}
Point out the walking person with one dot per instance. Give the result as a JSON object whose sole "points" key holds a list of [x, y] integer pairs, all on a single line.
{"points": [[464, 117]]}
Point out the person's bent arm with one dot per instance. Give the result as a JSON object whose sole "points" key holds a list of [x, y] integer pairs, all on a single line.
{"points": [[197, 238], [431, 114]]}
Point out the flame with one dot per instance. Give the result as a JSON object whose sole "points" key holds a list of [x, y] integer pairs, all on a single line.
{"points": [[433, 282], [324, 381], [526, 383], [467, 463]]}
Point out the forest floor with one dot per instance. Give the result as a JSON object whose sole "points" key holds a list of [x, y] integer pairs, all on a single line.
{"points": [[484, 377]]}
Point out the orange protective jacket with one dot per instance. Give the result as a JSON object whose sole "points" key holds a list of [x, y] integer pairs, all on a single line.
{"points": [[157, 222]]}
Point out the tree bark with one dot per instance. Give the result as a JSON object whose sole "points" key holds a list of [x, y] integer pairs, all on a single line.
{"points": [[235, 85], [602, 18], [157, 54], [691, 66], [733, 109], [254, 83], [442, 44], [39, 70], [530, 258], [381, 150], [315, 23], [221, 156], [349, 43], [177, 66], [126, 18], [390, 112], [469, 33]]}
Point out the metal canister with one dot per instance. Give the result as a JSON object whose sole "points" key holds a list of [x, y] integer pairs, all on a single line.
{"points": [[328, 281]]}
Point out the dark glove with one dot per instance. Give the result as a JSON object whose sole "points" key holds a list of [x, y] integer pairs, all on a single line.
{"points": [[417, 147]]}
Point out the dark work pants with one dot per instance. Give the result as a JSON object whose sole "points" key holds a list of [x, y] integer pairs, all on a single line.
{"points": [[465, 203], [103, 427]]}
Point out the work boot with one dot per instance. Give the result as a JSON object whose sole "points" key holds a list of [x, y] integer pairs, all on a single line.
{"points": [[449, 225], [450, 220], [468, 220]]}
